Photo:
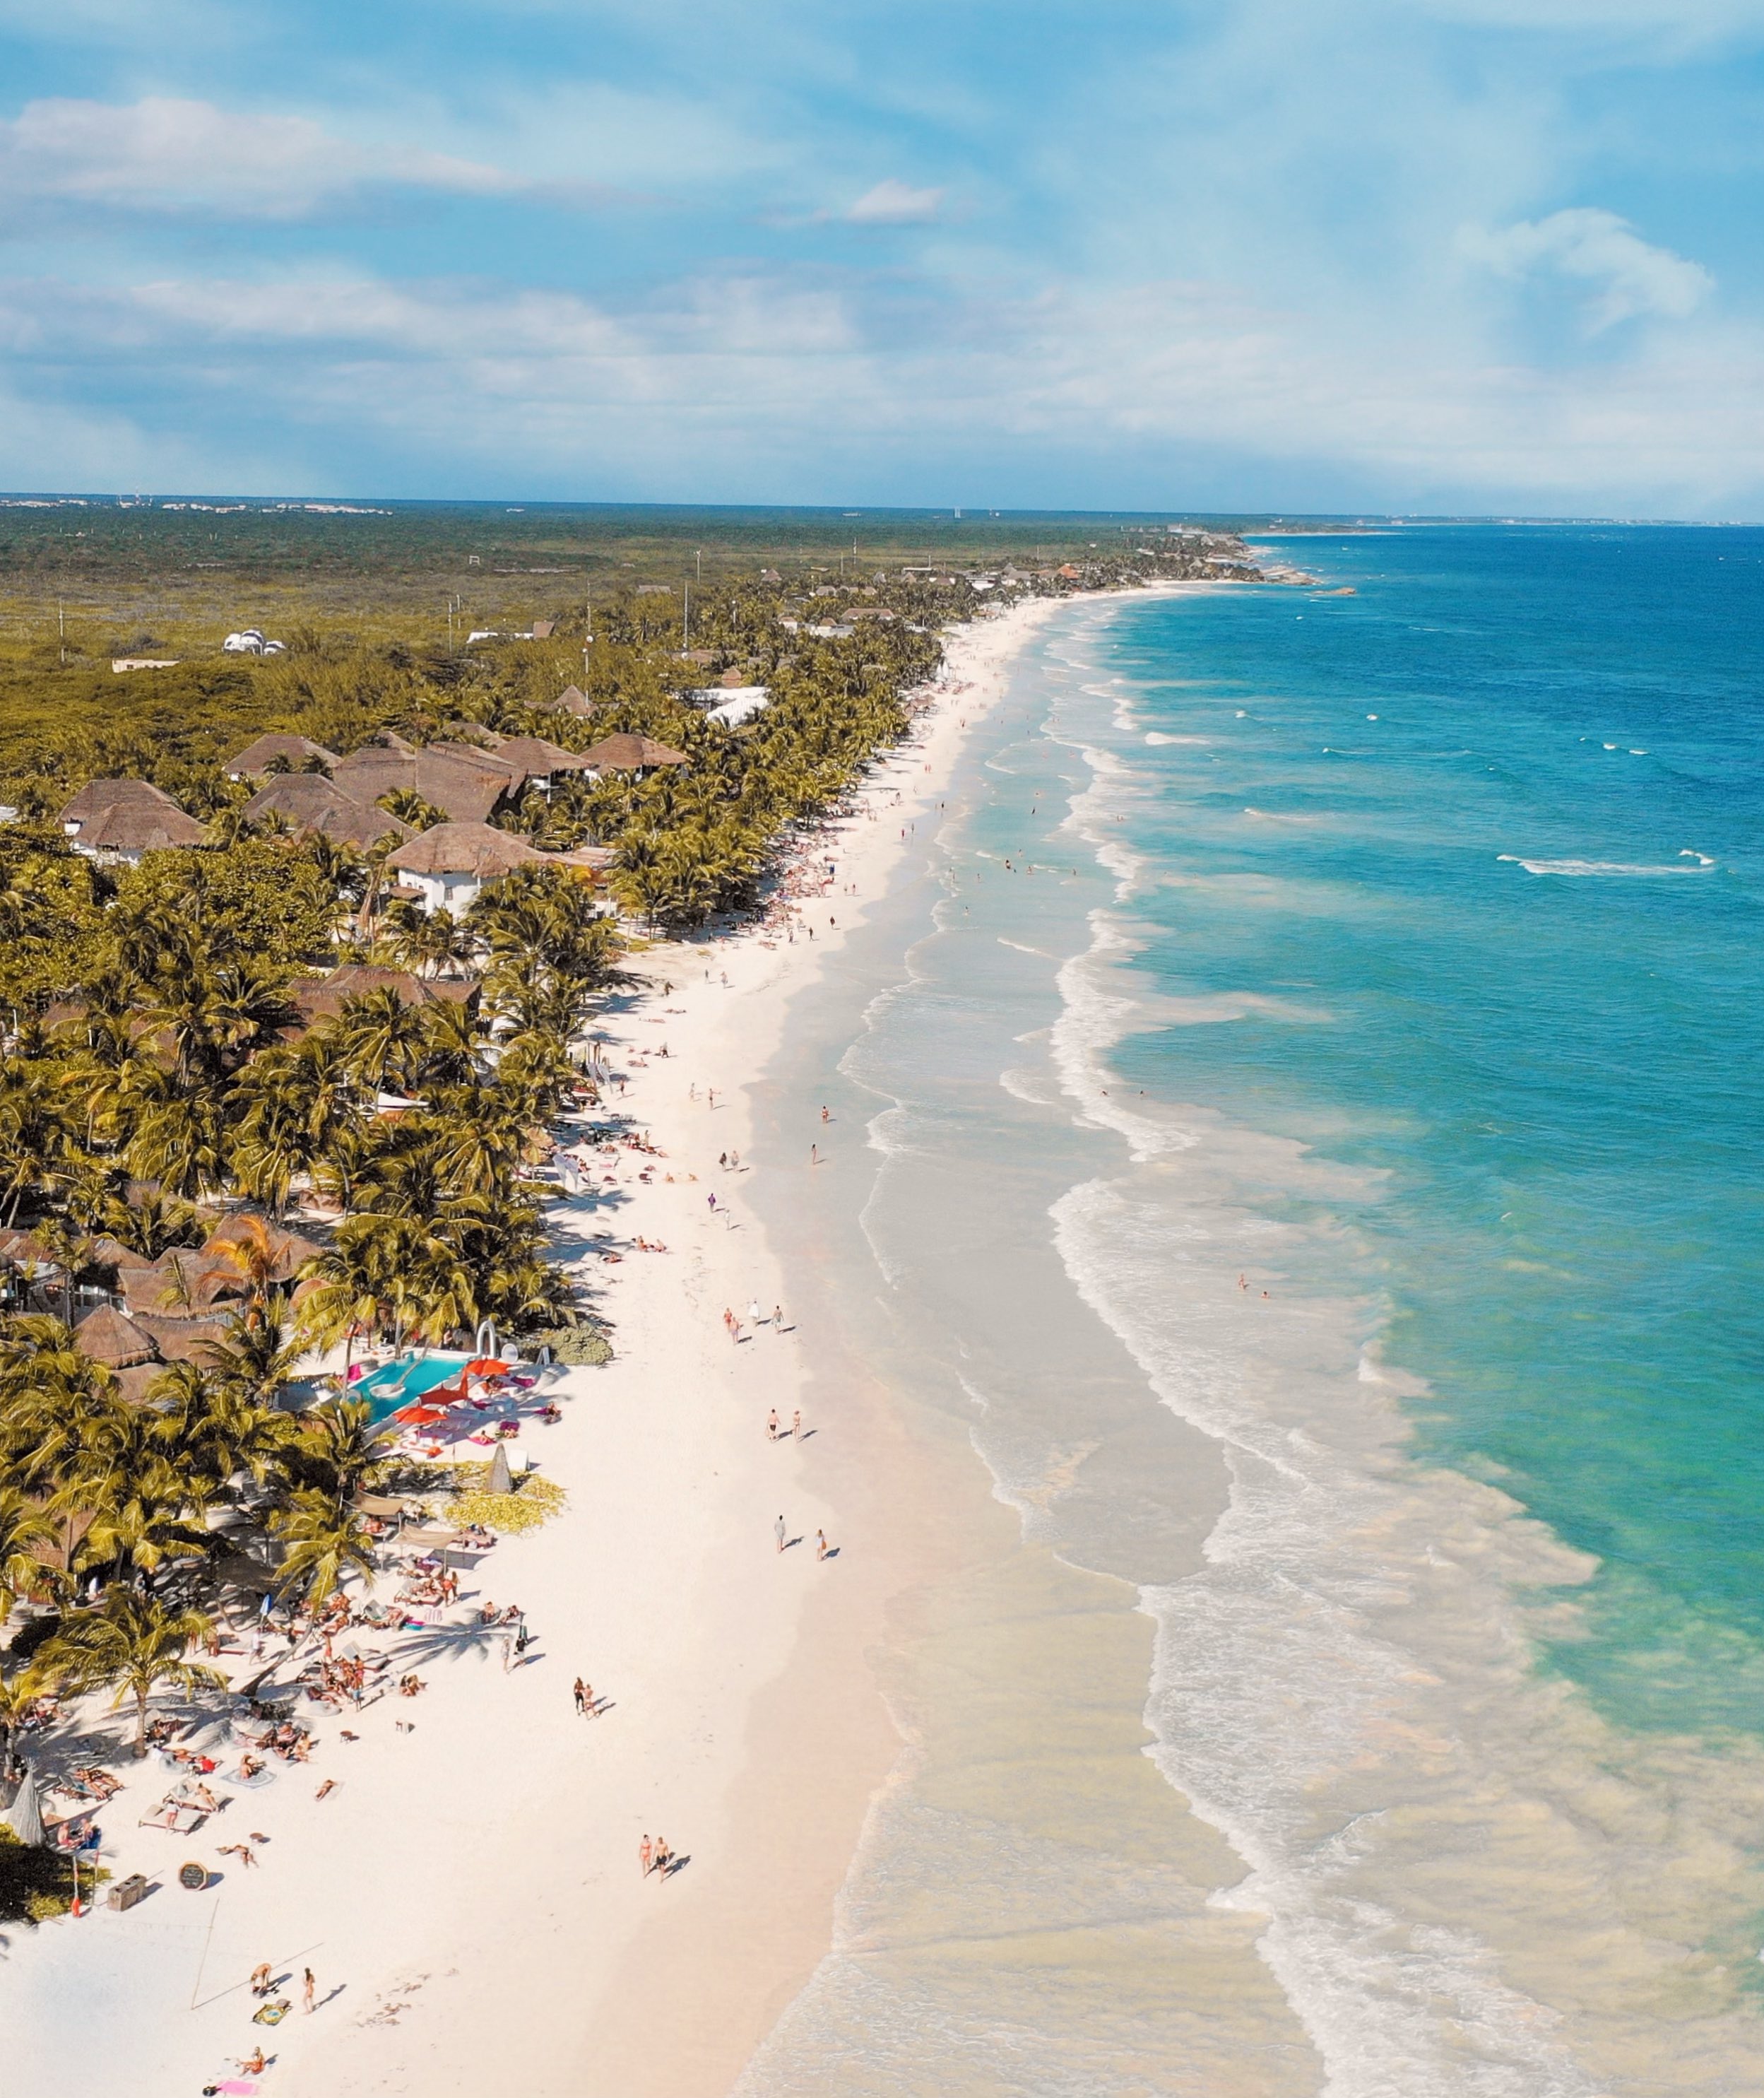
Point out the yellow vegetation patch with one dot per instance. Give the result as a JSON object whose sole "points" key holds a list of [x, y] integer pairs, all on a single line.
{"points": [[533, 1501]]}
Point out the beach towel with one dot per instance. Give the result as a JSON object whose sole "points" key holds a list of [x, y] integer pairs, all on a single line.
{"points": [[271, 2014]]}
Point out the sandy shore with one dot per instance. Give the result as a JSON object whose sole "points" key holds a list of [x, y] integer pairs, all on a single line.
{"points": [[469, 1896]]}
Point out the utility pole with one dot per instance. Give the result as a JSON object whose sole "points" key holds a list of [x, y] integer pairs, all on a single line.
{"points": [[685, 618], [61, 625], [701, 565]]}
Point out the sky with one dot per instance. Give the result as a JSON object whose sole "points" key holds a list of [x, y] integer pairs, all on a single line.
{"points": [[1424, 255]]}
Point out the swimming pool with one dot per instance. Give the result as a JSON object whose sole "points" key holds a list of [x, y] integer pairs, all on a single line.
{"points": [[397, 1384]]}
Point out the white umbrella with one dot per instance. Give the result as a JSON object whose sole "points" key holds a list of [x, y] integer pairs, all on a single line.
{"points": [[24, 1817]]}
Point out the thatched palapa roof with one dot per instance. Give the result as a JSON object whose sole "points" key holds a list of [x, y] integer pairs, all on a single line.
{"points": [[484, 853], [319, 997], [311, 802], [473, 849], [112, 1338], [465, 785], [127, 816], [256, 757], [627, 752]]}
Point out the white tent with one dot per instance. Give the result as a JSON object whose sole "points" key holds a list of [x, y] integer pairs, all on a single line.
{"points": [[739, 703], [24, 1817]]}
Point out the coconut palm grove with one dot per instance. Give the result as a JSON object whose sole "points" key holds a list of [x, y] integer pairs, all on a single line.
{"points": [[304, 931]]}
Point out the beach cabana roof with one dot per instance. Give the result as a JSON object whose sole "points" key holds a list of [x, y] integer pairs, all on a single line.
{"points": [[572, 699], [318, 998], [464, 784], [627, 752], [128, 816], [112, 1337], [19, 1249], [256, 757], [180, 1340], [311, 802], [472, 849], [539, 758]]}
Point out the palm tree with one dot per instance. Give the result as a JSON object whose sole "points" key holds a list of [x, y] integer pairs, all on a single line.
{"points": [[211, 1418], [379, 1036], [152, 1223], [24, 1524], [338, 1452], [325, 1545], [250, 1366], [431, 943], [180, 1137], [252, 1253], [131, 1643]]}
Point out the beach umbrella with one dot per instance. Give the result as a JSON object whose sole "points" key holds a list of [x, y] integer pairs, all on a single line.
{"points": [[420, 1416], [500, 1481], [24, 1817]]}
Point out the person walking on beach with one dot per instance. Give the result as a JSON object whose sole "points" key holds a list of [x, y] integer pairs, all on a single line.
{"points": [[308, 1990], [796, 1425], [771, 1425], [820, 1544], [755, 1317], [646, 1856], [582, 1698], [663, 1858], [814, 1154], [780, 1530]]}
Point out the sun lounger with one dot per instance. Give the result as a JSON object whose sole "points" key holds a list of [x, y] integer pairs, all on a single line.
{"points": [[181, 1820]]}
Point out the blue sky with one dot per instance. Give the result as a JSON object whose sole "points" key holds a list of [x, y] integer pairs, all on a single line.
{"points": [[1300, 254]]}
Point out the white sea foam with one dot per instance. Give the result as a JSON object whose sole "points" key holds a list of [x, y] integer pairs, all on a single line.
{"points": [[1583, 869], [1345, 1689]]}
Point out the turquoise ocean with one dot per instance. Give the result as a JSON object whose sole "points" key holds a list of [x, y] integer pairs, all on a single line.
{"points": [[1316, 1135]]}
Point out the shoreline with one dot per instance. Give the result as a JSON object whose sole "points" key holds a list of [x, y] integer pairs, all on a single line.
{"points": [[443, 1930]]}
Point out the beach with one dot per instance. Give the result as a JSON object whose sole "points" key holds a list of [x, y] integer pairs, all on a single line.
{"points": [[470, 1889]]}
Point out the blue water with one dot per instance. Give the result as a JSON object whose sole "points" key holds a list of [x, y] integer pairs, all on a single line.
{"points": [[1499, 948], [399, 1384]]}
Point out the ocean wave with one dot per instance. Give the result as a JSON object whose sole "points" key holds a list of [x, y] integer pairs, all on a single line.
{"points": [[1345, 1689], [1582, 869]]}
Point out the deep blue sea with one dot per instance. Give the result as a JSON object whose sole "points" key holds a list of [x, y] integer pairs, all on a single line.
{"points": [[1487, 838]]}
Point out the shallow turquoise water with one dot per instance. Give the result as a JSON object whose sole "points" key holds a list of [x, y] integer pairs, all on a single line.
{"points": [[1500, 944], [398, 1384]]}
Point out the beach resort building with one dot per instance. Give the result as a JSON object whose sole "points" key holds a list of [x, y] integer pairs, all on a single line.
{"points": [[118, 820], [627, 752], [295, 752], [447, 866], [308, 802], [322, 997], [464, 783]]}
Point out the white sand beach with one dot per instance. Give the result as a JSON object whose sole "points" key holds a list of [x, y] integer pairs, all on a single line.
{"points": [[469, 1894]]}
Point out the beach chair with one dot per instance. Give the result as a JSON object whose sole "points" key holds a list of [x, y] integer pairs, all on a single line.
{"points": [[180, 1819]]}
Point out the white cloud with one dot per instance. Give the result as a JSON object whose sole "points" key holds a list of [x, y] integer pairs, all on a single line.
{"points": [[163, 156], [1598, 248], [725, 388], [896, 203]]}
